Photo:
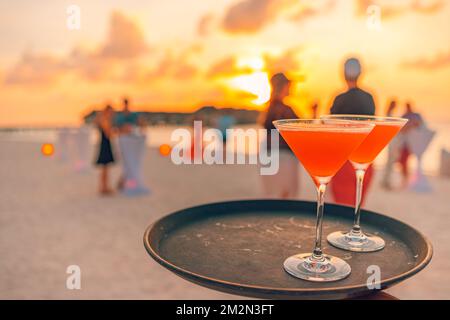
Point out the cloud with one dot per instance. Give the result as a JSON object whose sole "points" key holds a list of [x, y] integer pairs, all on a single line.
{"points": [[176, 66], [440, 60], [124, 43], [393, 10], [125, 39], [91, 66], [34, 69], [310, 10], [250, 16], [432, 7], [286, 62], [227, 67], [185, 71]]}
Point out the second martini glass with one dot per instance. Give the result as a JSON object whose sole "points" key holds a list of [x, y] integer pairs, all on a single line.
{"points": [[322, 148], [385, 129]]}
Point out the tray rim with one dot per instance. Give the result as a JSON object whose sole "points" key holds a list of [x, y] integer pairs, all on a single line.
{"points": [[297, 291]]}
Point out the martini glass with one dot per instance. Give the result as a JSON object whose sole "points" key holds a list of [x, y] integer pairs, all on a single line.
{"points": [[322, 148], [385, 129]]}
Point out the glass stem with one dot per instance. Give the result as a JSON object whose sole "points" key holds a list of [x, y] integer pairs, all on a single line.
{"points": [[356, 230], [317, 253]]}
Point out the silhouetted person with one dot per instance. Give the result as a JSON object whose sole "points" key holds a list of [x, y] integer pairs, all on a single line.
{"points": [[104, 122], [314, 109], [393, 151], [415, 121], [354, 100], [391, 108], [284, 184], [126, 121], [359, 102]]}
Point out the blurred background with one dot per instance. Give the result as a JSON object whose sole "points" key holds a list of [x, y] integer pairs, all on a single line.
{"points": [[171, 62]]}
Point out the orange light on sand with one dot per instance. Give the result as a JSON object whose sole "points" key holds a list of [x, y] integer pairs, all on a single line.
{"points": [[47, 149], [165, 150], [256, 83]]}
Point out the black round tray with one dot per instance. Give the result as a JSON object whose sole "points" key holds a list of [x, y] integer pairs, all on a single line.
{"points": [[239, 247]]}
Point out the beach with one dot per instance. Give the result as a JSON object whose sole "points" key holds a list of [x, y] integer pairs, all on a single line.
{"points": [[52, 217]]}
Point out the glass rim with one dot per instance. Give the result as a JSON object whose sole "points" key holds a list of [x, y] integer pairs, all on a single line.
{"points": [[357, 117], [319, 125]]}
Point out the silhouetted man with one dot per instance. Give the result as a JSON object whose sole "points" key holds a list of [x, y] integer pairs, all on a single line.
{"points": [[359, 102], [126, 120], [354, 100]]}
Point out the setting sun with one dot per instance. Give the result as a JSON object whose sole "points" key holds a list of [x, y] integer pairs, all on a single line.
{"points": [[255, 63], [220, 53], [256, 83]]}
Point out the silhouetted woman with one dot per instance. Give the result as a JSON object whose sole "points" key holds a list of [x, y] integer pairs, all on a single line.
{"points": [[284, 184], [104, 123]]}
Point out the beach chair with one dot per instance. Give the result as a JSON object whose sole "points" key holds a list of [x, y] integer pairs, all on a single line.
{"points": [[132, 148], [418, 140]]}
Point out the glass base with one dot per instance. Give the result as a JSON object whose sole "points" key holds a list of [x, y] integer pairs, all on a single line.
{"points": [[357, 242], [303, 266]]}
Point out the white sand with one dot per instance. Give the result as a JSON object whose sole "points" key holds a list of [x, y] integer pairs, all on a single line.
{"points": [[51, 217]]}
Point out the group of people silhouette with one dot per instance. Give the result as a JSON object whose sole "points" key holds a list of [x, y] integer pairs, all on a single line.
{"points": [[354, 101], [284, 184], [109, 124]]}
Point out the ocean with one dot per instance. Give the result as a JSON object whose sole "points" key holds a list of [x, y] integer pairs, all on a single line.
{"points": [[158, 135]]}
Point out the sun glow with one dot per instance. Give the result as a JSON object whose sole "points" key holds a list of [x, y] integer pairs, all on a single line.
{"points": [[254, 63], [201, 57], [256, 83]]}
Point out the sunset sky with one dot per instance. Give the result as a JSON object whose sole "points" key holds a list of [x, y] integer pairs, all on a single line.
{"points": [[177, 55]]}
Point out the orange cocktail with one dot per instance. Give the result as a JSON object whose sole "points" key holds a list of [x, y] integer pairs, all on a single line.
{"points": [[385, 129], [375, 142], [322, 147]]}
